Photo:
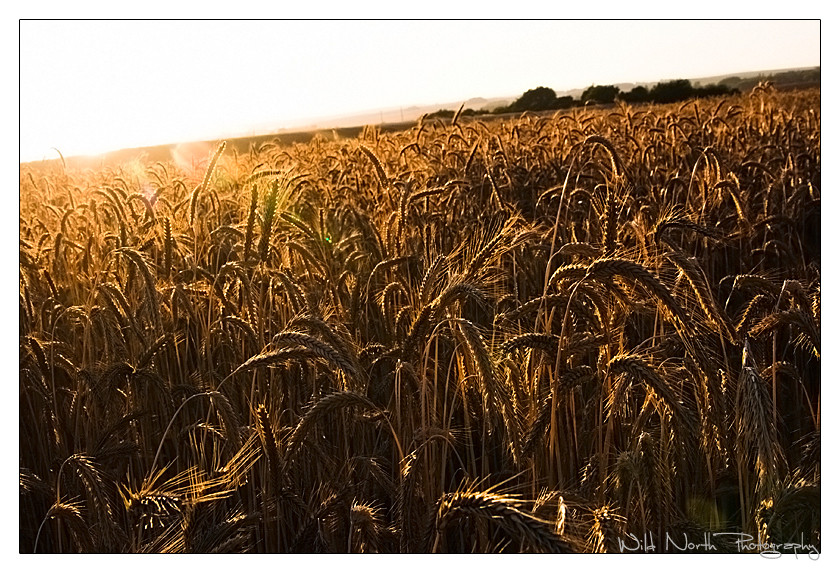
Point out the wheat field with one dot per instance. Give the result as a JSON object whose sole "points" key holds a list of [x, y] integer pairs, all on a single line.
{"points": [[551, 333]]}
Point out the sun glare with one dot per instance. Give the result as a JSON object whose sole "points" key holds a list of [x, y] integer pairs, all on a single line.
{"points": [[188, 156]]}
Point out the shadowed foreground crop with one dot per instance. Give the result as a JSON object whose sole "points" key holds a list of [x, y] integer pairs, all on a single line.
{"points": [[543, 334]]}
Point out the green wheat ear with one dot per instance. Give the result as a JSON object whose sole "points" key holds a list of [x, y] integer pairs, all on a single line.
{"points": [[268, 219]]}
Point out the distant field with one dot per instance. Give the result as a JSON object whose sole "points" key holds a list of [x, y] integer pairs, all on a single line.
{"points": [[240, 144], [565, 332]]}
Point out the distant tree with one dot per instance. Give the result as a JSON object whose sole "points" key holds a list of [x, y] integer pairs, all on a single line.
{"points": [[565, 102], [442, 113], [537, 99], [599, 94], [670, 92], [638, 94]]}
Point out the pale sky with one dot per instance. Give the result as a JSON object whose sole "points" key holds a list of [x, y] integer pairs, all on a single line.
{"points": [[92, 86]]}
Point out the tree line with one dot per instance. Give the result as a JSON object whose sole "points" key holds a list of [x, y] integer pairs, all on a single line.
{"points": [[544, 99]]}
